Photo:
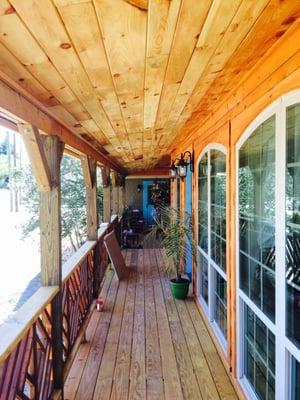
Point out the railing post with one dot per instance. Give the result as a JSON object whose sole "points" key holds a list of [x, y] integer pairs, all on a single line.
{"points": [[45, 154]]}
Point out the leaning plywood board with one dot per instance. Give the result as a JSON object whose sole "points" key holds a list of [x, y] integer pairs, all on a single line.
{"points": [[115, 255]]}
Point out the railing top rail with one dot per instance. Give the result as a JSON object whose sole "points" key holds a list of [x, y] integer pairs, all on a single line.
{"points": [[72, 263], [76, 259], [114, 217], [14, 329], [102, 230]]}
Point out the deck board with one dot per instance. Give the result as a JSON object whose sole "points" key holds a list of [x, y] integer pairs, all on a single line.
{"points": [[146, 345]]}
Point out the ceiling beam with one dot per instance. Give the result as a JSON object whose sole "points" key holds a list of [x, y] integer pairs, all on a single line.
{"points": [[19, 107]]}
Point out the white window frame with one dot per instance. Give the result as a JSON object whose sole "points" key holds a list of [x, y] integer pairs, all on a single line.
{"points": [[284, 347], [209, 309]]}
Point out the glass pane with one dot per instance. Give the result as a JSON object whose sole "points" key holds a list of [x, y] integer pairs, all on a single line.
{"points": [[295, 380], [203, 267], [202, 203], [220, 313], [293, 224], [218, 208], [259, 348], [257, 217]]}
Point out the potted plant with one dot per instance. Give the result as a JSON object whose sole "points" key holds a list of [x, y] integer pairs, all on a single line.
{"points": [[172, 230]]}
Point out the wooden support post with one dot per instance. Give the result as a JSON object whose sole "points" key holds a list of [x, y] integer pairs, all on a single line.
{"points": [[90, 177], [51, 264], [45, 153], [115, 194], [121, 199], [106, 204], [89, 167], [106, 194]]}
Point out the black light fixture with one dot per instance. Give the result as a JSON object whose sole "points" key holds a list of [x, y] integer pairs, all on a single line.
{"points": [[173, 168], [186, 158], [182, 167]]}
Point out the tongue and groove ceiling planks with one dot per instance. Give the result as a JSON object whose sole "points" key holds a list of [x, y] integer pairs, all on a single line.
{"points": [[126, 75]]}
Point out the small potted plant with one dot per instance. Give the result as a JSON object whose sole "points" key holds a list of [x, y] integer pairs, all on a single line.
{"points": [[171, 231]]}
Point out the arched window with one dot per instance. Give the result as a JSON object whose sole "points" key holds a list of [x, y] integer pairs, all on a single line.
{"points": [[212, 277], [268, 258]]}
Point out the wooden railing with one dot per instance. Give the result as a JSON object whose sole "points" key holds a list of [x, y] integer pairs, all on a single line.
{"points": [[26, 346]]}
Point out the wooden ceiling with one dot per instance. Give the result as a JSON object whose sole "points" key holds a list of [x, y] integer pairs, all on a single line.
{"points": [[126, 75]]}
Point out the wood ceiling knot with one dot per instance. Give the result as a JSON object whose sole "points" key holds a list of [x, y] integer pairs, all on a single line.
{"points": [[65, 46], [9, 10]]}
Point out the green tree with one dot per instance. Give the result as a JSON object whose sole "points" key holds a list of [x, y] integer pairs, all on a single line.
{"points": [[73, 201], [3, 159]]}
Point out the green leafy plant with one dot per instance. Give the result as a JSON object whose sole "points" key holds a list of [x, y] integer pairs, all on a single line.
{"points": [[172, 230]]}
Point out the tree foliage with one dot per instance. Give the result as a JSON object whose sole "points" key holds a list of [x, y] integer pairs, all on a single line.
{"points": [[4, 146], [73, 201]]}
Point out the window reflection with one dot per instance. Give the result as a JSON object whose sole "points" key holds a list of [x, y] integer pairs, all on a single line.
{"points": [[218, 208], [203, 266], [293, 224], [257, 217], [259, 356], [220, 303], [212, 177]]}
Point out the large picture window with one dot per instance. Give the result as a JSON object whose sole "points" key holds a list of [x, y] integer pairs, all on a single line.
{"points": [[268, 222], [257, 217], [293, 223], [212, 285]]}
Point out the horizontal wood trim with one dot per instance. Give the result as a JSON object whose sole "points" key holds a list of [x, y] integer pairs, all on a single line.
{"points": [[28, 110], [162, 172], [14, 329], [8, 124]]}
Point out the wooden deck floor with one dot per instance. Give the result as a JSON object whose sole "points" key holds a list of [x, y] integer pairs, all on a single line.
{"points": [[146, 345]]}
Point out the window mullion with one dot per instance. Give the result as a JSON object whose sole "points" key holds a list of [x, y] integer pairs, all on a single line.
{"points": [[210, 269], [280, 168]]}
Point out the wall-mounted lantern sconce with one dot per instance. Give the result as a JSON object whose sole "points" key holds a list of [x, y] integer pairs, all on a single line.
{"points": [[179, 166], [173, 169], [139, 188]]}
